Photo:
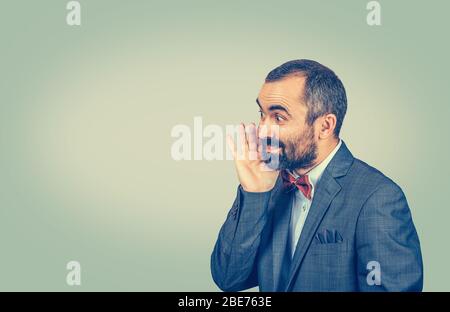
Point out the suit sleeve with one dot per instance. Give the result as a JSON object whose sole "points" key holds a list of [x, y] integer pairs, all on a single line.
{"points": [[234, 258], [387, 245]]}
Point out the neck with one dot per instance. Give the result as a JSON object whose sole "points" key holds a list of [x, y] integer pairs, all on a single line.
{"points": [[323, 152]]}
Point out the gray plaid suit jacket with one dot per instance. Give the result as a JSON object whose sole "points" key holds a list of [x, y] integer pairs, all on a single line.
{"points": [[358, 217]]}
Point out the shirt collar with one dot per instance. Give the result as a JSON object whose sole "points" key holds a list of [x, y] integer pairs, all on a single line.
{"points": [[315, 173]]}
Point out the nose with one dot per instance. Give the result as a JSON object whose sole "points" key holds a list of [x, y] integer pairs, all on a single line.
{"points": [[266, 129]]}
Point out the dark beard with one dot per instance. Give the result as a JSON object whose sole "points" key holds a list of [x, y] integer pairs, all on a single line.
{"points": [[289, 158], [304, 161]]}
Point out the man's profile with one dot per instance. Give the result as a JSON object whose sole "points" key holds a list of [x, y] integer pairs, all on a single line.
{"points": [[323, 220]]}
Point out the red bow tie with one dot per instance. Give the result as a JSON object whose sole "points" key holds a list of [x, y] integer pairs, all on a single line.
{"points": [[302, 183]]}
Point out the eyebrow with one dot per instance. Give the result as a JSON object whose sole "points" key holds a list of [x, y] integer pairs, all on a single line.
{"points": [[275, 107]]}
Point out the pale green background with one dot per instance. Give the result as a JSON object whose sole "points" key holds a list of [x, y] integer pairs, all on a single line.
{"points": [[86, 114]]}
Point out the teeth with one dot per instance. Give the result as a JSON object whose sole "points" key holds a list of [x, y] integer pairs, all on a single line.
{"points": [[273, 150]]}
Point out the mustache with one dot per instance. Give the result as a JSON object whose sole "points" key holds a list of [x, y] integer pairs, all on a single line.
{"points": [[272, 142]]}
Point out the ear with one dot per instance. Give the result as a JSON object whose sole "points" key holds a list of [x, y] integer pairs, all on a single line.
{"points": [[327, 126]]}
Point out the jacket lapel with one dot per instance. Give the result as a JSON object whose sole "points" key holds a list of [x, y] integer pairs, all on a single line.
{"points": [[321, 201], [326, 191], [281, 213]]}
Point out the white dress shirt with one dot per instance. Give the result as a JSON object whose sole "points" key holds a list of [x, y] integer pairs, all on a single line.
{"points": [[300, 204]]}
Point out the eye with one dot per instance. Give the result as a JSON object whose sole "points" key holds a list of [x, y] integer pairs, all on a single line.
{"points": [[261, 113], [279, 118]]}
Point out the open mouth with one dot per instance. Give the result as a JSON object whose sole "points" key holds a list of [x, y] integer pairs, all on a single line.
{"points": [[271, 150], [270, 145]]}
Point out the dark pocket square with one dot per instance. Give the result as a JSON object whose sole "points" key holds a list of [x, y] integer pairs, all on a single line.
{"points": [[328, 237]]}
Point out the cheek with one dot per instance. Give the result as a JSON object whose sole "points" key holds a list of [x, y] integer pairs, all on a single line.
{"points": [[294, 140], [291, 135]]}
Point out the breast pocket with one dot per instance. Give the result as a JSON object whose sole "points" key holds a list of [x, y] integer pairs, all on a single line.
{"points": [[329, 248], [329, 266]]}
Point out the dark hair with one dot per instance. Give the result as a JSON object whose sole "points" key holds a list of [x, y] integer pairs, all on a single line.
{"points": [[324, 92]]}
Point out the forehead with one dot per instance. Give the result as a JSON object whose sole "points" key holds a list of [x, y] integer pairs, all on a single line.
{"points": [[288, 91]]}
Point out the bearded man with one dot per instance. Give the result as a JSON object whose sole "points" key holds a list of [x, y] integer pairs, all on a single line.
{"points": [[320, 219]]}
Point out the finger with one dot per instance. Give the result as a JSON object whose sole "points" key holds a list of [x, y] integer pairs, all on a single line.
{"points": [[261, 153], [262, 135], [243, 145], [263, 131], [231, 145], [251, 139]]}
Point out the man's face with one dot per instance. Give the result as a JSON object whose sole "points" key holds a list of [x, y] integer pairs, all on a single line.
{"points": [[280, 104]]}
